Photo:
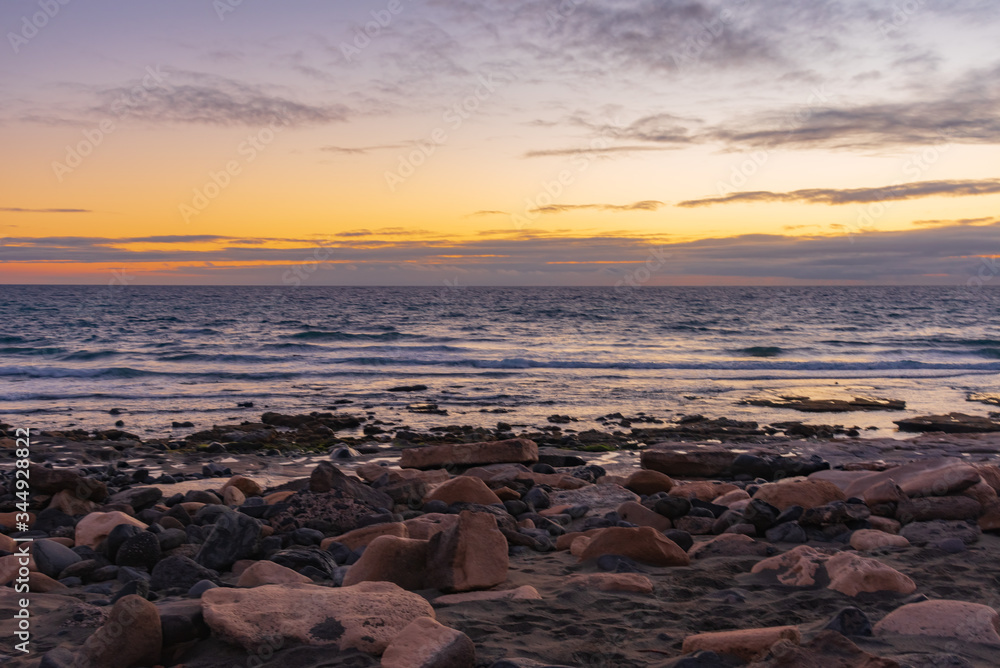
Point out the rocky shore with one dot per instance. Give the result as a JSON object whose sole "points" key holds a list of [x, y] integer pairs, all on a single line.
{"points": [[690, 543]]}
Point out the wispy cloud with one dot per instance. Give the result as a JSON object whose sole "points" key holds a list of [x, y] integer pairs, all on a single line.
{"points": [[834, 196], [9, 209], [363, 150], [645, 205]]}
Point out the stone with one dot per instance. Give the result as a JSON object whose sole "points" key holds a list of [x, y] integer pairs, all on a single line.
{"points": [[828, 649], [470, 555], [425, 643], [938, 508], [851, 574], [522, 593], [990, 519], [365, 535], [730, 545], [95, 527], [181, 622], [884, 492], [627, 582], [515, 450], [600, 499], [365, 616], [39, 583], [968, 622], [923, 533], [643, 544], [747, 644], [139, 498], [234, 536], [141, 550], [870, 539], [640, 515], [326, 478], [672, 507], [686, 461], [269, 573], [51, 558], [402, 561], [429, 524], [704, 490], [885, 524], [66, 502], [52, 481], [850, 622], [648, 482], [731, 497], [311, 561], [799, 567], [233, 497], [248, 486], [786, 532], [805, 493], [139, 645], [952, 423], [180, 572], [466, 489]]}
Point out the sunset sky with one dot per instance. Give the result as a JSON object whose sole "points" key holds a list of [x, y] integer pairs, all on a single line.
{"points": [[499, 142]]}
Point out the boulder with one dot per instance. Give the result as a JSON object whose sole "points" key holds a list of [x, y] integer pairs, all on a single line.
{"points": [[643, 544], [132, 636], [952, 423], [515, 450], [967, 622], [234, 536], [180, 572], [870, 539], [924, 533], [327, 478], [470, 555], [402, 561], [95, 527], [703, 490], [425, 643], [686, 460], [51, 558], [828, 649], [365, 616], [648, 482], [805, 493], [52, 481], [269, 573], [640, 515], [66, 502], [851, 574], [938, 508], [600, 499], [428, 525], [248, 486], [365, 535], [747, 644], [466, 489]]}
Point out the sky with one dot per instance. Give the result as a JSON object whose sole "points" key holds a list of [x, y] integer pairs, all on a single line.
{"points": [[500, 142]]}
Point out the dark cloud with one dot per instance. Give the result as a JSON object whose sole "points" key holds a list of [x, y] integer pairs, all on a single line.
{"points": [[834, 196]]}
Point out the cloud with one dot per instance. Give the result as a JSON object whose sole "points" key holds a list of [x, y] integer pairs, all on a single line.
{"points": [[903, 191], [363, 150], [645, 205], [20, 210]]}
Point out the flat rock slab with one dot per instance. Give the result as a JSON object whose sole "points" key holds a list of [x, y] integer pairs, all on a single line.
{"points": [[514, 450], [970, 622], [952, 423]]}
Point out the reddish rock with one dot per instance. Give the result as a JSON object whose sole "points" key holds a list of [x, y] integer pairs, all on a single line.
{"points": [[930, 508], [267, 572], [981, 492], [828, 649], [425, 643], [805, 493], [644, 544], [648, 482], [629, 582], [95, 527], [523, 593], [278, 497], [247, 486], [139, 645], [431, 524], [67, 502], [747, 644], [696, 526], [968, 622], [39, 583], [886, 491], [885, 524], [11, 565], [465, 489], [796, 568], [870, 539], [729, 545], [851, 574], [928, 477], [640, 515], [233, 497], [990, 519], [990, 474], [365, 535], [704, 490], [470, 454], [734, 496], [364, 616], [470, 555], [402, 561], [686, 461]]}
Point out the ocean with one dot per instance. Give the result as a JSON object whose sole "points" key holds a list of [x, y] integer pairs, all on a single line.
{"points": [[70, 354]]}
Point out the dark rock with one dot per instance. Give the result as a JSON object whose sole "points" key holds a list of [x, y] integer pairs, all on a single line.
{"points": [[761, 514], [952, 423], [234, 536], [182, 622], [117, 537], [850, 622], [616, 563], [672, 507], [328, 478], [141, 550], [136, 587], [53, 558], [200, 587], [682, 538], [787, 532], [52, 519], [202, 496], [949, 545], [537, 498], [299, 558], [139, 498], [177, 572], [305, 536], [171, 538], [713, 508], [923, 533]]}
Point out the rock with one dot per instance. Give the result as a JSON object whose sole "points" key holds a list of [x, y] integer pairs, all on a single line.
{"points": [[686, 460], [805, 493], [328, 478], [952, 423], [968, 622], [95, 527], [365, 535], [402, 561], [990, 519], [308, 560], [141, 551], [330, 512], [869, 539], [761, 514], [601, 499], [515, 450], [884, 524], [704, 490], [139, 498], [139, 645], [51, 558], [850, 622], [66, 502], [828, 649], [233, 497], [523, 593], [464, 489], [628, 582], [425, 643], [644, 544], [747, 644], [429, 524], [234, 536], [731, 497], [672, 507], [938, 508], [181, 622], [39, 583], [268, 573], [928, 477], [248, 486], [470, 555], [851, 574], [922, 533], [365, 616], [640, 515], [180, 572], [786, 532], [648, 482], [730, 545], [52, 481]]}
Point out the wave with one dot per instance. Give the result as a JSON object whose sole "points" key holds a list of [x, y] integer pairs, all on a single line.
{"points": [[22, 351], [204, 331], [762, 351], [13, 339], [87, 355], [347, 336], [129, 372]]}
